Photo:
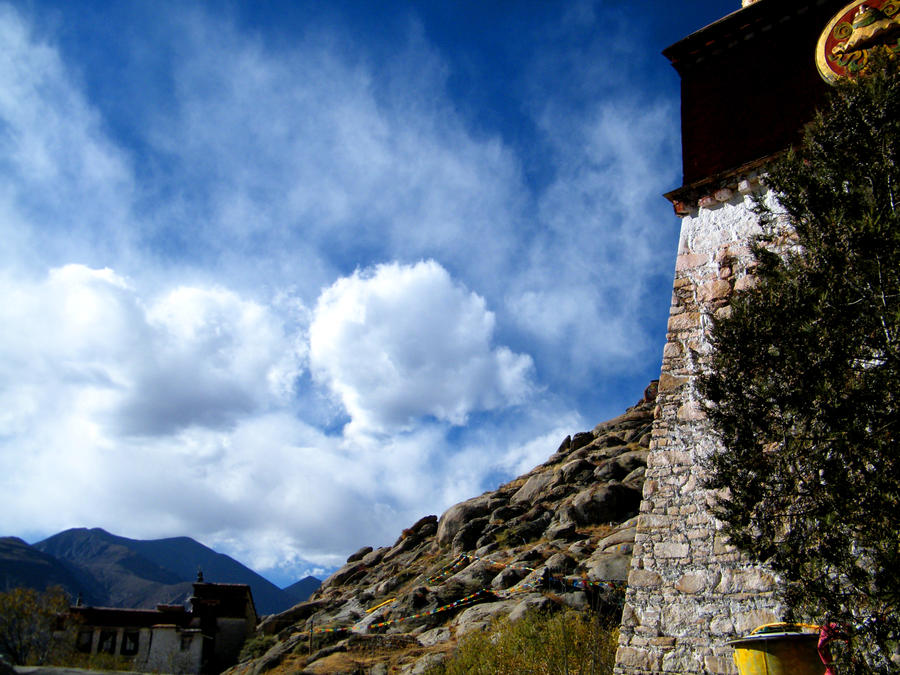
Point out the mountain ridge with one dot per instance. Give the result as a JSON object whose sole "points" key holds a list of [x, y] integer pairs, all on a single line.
{"points": [[110, 570]]}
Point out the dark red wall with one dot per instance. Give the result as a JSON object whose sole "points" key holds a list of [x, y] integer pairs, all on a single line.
{"points": [[749, 83]]}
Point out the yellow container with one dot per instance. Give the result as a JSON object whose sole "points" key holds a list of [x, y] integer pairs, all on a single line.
{"points": [[778, 649]]}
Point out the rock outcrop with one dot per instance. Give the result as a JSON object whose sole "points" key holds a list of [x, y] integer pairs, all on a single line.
{"points": [[560, 535]]}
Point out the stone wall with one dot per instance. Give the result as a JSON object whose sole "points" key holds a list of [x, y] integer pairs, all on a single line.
{"points": [[688, 590]]}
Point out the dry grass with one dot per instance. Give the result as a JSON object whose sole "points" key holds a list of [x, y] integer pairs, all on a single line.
{"points": [[538, 644], [358, 658]]}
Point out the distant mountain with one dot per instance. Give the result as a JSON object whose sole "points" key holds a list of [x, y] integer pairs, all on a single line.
{"points": [[115, 573], [120, 572], [304, 588], [24, 565]]}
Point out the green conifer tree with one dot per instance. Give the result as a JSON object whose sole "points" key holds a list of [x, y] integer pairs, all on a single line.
{"points": [[804, 384]]}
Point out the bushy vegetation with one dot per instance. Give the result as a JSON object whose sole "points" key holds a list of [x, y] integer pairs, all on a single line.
{"points": [[563, 643], [256, 647], [101, 661], [30, 626], [804, 385]]}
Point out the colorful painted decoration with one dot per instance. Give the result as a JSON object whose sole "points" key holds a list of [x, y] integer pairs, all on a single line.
{"points": [[844, 45]]}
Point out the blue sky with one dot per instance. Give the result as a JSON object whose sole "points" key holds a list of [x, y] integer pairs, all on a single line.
{"points": [[287, 276]]}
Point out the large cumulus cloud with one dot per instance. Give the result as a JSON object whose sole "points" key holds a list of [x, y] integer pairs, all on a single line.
{"points": [[402, 342]]}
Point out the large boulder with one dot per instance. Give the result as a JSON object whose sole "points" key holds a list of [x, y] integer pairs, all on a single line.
{"points": [[533, 487], [610, 502], [479, 617], [360, 554], [468, 535], [349, 572], [608, 567], [581, 439], [622, 465], [476, 576], [578, 470], [458, 515], [296, 614]]}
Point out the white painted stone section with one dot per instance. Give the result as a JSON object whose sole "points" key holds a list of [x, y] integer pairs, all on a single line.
{"points": [[688, 590], [173, 650]]}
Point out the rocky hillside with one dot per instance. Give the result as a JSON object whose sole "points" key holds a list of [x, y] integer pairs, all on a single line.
{"points": [[560, 535]]}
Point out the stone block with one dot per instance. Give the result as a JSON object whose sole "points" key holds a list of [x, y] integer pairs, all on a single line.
{"points": [[721, 626], [691, 582], [669, 458], [745, 282], [645, 630], [724, 312], [672, 350], [687, 261], [681, 660], [744, 622], [652, 521], [753, 580], [669, 382], [641, 659], [684, 321], [721, 545], [670, 549], [649, 618], [644, 579], [690, 412], [737, 250], [723, 195], [714, 290]]}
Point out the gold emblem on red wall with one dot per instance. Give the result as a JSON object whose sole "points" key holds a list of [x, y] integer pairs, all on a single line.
{"points": [[846, 42]]}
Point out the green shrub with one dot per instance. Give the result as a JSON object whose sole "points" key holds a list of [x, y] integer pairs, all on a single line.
{"points": [[564, 643], [256, 647], [108, 662], [29, 620]]}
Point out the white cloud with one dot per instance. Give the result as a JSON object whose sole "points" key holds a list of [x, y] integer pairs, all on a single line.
{"points": [[59, 171], [84, 339], [400, 343], [214, 356], [156, 271], [584, 293], [314, 152], [152, 400], [154, 415]]}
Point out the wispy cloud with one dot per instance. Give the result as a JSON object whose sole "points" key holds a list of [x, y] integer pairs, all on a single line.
{"points": [[64, 181]]}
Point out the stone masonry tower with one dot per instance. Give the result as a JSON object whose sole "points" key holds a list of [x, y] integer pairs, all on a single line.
{"points": [[749, 82]]}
